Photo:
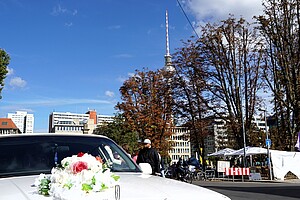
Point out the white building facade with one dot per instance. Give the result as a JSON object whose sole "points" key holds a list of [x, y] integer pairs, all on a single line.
{"points": [[104, 119], [67, 122], [181, 144], [218, 139], [260, 123], [23, 120]]}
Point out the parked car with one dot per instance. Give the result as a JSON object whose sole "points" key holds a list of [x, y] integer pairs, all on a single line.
{"points": [[24, 157]]}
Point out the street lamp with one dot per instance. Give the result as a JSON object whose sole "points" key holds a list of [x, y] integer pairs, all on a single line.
{"points": [[267, 142]]}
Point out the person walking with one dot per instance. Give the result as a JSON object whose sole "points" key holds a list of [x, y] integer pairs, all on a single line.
{"points": [[149, 155], [135, 155], [161, 166]]}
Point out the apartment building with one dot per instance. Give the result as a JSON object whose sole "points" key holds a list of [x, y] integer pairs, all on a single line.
{"points": [[67, 122], [181, 144], [260, 123], [218, 139], [23, 120], [104, 119]]}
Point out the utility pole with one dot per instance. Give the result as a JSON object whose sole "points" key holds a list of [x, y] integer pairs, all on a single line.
{"points": [[268, 141]]}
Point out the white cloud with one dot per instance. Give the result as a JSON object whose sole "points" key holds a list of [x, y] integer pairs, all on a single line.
{"points": [[32, 105], [130, 74], [123, 55], [74, 12], [110, 93], [121, 79], [10, 71], [114, 27], [69, 24], [17, 82], [59, 10], [55, 102], [207, 10]]}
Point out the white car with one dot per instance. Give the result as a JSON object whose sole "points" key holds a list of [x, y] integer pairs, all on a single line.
{"points": [[24, 157]]}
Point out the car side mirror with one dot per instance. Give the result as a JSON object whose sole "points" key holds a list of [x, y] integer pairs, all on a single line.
{"points": [[146, 168]]}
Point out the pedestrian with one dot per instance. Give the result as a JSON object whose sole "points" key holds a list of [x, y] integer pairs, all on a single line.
{"points": [[179, 169], [161, 166], [149, 155], [135, 155]]}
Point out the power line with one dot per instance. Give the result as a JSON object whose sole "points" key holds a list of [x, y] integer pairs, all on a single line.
{"points": [[188, 19]]}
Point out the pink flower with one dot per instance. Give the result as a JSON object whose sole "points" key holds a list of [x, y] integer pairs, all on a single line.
{"points": [[79, 166]]}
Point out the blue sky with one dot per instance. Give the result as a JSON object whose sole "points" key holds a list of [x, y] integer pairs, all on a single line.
{"points": [[73, 55]]}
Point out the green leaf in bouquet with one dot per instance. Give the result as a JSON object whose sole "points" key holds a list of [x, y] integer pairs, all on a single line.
{"points": [[93, 180], [45, 181], [103, 186], [115, 177], [45, 191], [68, 185], [86, 187]]}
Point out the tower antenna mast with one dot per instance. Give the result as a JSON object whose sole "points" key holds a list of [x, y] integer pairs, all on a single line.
{"points": [[168, 61]]}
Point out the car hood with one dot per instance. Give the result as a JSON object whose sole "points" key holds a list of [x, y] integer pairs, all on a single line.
{"points": [[133, 186]]}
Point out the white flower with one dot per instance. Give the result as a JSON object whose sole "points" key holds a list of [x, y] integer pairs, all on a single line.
{"points": [[87, 176], [73, 180], [38, 180]]}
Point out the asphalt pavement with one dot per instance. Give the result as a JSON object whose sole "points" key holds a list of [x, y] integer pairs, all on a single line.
{"points": [[256, 190]]}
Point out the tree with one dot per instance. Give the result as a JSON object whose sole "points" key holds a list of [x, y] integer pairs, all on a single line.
{"points": [[120, 132], [147, 107], [279, 26], [232, 51], [189, 88], [4, 62]]}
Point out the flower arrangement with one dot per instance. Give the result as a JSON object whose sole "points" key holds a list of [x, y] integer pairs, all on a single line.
{"points": [[78, 175]]}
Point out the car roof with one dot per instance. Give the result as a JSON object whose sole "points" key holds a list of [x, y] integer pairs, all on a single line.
{"points": [[52, 134]]}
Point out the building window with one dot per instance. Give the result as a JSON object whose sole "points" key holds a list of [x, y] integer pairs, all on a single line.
{"points": [[4, 123]]}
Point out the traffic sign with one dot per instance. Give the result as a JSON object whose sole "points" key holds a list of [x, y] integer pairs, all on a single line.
{"points": [[268, 142]]}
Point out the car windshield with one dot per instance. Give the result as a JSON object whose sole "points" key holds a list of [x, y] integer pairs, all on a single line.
{"points": [[30, 155]]}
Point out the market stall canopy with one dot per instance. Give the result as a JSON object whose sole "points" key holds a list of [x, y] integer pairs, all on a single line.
{"points": [[284, 162], [249, 151], [221, 152]]}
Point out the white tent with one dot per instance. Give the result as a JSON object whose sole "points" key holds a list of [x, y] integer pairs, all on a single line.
{"points": [[249, 151], [221, 152], [284, 162]]}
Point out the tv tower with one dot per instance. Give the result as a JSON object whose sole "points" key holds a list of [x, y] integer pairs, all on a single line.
{"points": [[168, 58]]}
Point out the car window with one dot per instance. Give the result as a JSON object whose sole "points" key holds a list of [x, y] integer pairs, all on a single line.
{"points": [[39, 154]]}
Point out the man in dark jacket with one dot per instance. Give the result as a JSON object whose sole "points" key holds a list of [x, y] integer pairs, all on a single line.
{"points": [[149, 155]]}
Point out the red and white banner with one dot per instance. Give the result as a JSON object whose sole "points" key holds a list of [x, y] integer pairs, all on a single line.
{"points": [[237, 171]]}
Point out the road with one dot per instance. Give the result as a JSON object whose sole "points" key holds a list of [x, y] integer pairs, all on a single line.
{"points": [[254, 190]]}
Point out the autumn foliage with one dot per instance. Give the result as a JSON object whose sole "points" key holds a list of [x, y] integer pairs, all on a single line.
{"points": [[147, 107]]}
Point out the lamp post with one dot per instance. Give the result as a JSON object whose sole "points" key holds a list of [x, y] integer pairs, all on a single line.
{"points": [[243, 128], [267, 142]]}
